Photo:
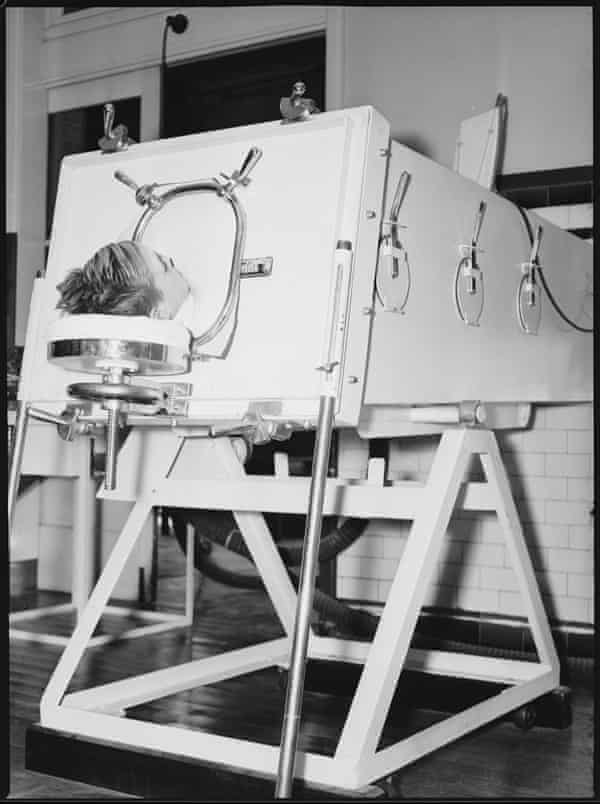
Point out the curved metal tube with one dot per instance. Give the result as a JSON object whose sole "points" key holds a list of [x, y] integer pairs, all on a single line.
{"points": [[233, 286]]}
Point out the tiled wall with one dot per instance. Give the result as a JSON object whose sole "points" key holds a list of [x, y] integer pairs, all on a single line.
{"points": [[55, 552], [550, 467]]}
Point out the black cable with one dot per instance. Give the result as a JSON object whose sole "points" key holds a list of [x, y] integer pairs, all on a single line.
{"points": [[553, 301]]}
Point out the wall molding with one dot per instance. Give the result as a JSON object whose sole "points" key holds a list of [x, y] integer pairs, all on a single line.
{"points": [[58, 26], [220, 45]]}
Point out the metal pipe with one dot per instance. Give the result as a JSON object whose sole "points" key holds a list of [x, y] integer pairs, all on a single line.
{"points": [[112, 444], [308, 571], [17, 458]]}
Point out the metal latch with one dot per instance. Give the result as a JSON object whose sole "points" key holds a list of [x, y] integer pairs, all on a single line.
{"points": [[297, 107], [256, 266], [177, 397]]}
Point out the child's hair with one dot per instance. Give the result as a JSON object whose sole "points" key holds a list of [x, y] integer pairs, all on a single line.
{"points": [[116, 280]]}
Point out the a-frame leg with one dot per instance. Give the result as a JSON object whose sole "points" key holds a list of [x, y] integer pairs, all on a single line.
{"points": [[388, 653], [389, 648], [91, 614], [508, 517]]}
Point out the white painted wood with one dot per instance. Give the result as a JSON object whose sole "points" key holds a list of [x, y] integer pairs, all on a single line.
{"points": [[448, 361], [161, 683], [243, 754], [89, 618], [477, 147], [256, 493], [83, 528], [388, 652], [356, 762], [435, 662], [340, 150], [390, 759], [259, 541], [519, 558]]}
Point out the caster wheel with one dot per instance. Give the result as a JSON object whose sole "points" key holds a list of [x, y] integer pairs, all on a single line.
{"points": [[525, 717], [390, 787]]}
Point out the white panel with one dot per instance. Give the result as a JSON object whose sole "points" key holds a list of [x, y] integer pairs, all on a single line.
{"points": [[306, 194], [428, 354]]}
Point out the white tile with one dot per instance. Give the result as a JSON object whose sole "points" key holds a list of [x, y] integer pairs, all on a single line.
{"points": [[567, 513], [569, 417], [581, 537], [533, 510], [470, 599], [569, 465], [498, 578], [485, 555], [543, 488], [580, 489], [561, 560], [581, 585], [590, 611], [460, 575], [394, 546], [440, 596], [568, 608], [55, 558], [547, 441], [451, 553], [56, 501], [358, 588], [511, 440], [552, 583], [510, 603], [489, 530], [366, 567], [580, 441], [525, 463], [544, 535]]}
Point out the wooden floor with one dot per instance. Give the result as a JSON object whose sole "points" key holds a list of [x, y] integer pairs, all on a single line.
{"points": [[497, 761]]}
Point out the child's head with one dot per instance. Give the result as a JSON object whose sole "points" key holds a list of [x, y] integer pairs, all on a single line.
{"points": [[124, 278]]}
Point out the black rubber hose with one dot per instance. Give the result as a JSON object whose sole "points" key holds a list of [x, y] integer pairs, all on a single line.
{"points": [[355, 622], [219, 527], [553, 302]]}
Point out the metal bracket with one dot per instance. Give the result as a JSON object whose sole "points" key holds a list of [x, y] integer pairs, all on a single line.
{"points": [[297, 108], [114, 139], [529, 297], [256, 266], [177, 397]]}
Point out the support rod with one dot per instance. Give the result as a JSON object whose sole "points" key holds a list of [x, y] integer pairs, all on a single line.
{"points": [[17, 458], [308, 571]]}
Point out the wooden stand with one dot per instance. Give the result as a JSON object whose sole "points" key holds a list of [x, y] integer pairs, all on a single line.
{"points": [[218, 481]]}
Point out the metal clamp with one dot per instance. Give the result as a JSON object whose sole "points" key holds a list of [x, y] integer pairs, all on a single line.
{"points": [[529, 297], [114, 139], [393, 284], [144, 195], [241, 176], [297, 108], [468, 280]]}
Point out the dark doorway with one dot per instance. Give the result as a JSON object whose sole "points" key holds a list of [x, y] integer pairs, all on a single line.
{"points": [[75, 131], [238, 89]]}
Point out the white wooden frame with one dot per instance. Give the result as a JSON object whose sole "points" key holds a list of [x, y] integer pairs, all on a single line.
{"points": [[82, 578], [94, 713]]}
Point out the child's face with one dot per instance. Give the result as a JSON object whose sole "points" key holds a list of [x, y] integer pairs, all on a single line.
{"points": [[170, 282]]}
